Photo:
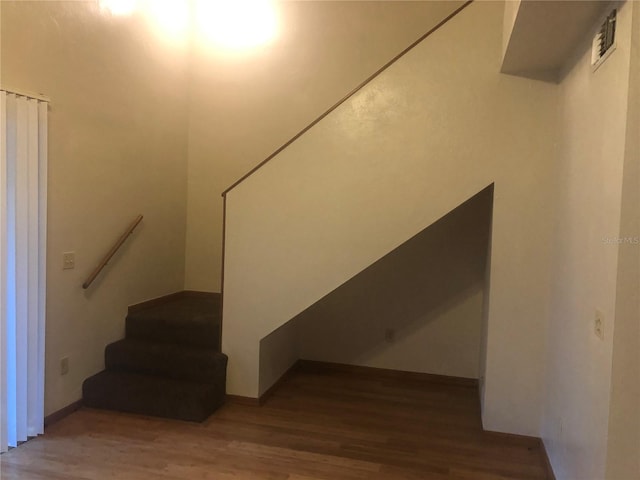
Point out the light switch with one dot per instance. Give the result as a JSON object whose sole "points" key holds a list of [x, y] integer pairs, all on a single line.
{"points": [[68, 260]]}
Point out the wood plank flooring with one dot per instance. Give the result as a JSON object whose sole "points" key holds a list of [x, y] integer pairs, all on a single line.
{"points": [[316, 426]]}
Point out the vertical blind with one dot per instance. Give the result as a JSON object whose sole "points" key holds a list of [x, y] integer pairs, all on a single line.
{"points": [[23, 214]]}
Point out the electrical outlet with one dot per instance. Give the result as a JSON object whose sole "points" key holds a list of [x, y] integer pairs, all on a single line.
{"points": [[389, 335], [64, 365], [68, 260], [598, 325]]}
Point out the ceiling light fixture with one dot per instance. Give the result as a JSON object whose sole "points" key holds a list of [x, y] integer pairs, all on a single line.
{"points": [[236, 24]]}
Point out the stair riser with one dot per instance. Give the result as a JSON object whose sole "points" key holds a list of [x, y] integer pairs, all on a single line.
{"points": [[151, 330], [194, 365], [152, 396]]}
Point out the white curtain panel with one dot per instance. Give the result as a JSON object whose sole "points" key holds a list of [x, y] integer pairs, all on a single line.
{"points": [[23, 214]]}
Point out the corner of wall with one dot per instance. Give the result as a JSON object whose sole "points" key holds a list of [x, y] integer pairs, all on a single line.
{"points": [[117, 149], [279, 351], [623, 443], [589, 206], [485, 317], [511, 9]]}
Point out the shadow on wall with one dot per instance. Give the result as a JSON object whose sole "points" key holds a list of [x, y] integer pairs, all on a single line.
{"points": [[419, 308]]}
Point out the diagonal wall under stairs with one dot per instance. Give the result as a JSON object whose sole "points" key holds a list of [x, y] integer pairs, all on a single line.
{"points": [[434, 129]]}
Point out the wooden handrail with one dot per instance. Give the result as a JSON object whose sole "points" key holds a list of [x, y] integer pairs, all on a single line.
{"points": [[348, 96], [112, 252]]}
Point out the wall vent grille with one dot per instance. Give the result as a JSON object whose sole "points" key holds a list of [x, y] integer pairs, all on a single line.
{"points": [[604, 42]]}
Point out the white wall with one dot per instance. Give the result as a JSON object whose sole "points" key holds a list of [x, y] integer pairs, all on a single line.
{"points": [[429, 292], [117, 148], [279, 351], [484, 332], [407, 149], [591, 154], [623, 443], [246, 105], [510, 14], [119, 123]]}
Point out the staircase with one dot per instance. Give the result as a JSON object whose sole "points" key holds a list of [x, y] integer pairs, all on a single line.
{"points": [[168, 365], [431, 129]]}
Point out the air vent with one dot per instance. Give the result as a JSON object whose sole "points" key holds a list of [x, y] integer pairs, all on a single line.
{"points": [[604, 43]]}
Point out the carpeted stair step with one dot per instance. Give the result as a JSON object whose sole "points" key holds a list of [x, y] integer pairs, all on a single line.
{"points": [[150, 395], [192, 321], [178, 362]]}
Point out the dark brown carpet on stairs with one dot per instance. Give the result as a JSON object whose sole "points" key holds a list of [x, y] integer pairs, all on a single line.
{"points": [[168, 364]]}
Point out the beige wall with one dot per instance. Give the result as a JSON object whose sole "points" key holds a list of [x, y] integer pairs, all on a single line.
{"points": [[121, 126], [429, 292], [586, 275], [623, 442], [510, 14], [243, 107], [411, 146], [279, 351], [117, 148], [119, 121]]}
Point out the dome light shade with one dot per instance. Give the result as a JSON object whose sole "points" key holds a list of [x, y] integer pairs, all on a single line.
{"points": [[236, 24], [172, 18], [226, 24]]}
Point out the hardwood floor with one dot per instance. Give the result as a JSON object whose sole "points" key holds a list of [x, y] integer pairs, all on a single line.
{"points": [[332, 425]]}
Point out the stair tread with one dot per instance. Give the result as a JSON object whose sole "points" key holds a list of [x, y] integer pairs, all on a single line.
{"points": [[181, 310], [152, 395], [194, 363]]}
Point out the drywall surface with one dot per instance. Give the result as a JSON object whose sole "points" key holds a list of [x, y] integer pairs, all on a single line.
{"points": [[591, 156], [246, 105], [540, 35], [510, 14], [117, 148], [623, 442], [484, 331], [279, 351], [418, 309], [430, 132]]}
